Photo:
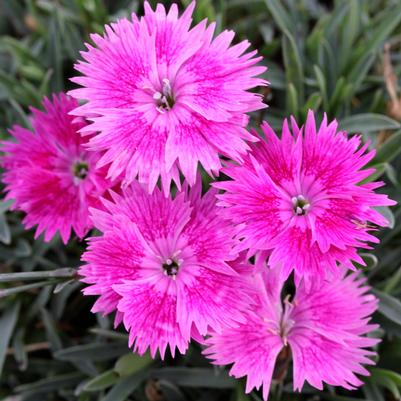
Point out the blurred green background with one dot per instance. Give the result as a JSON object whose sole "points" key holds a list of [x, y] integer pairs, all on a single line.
{"points": [[341, 57]]}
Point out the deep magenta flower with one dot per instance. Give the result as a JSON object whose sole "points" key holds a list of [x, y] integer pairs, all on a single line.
{"points": [[163, 96], [324, 330], [165, 264], [298, 200], [49, 173]]}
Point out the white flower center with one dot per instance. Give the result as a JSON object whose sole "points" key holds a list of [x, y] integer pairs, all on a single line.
{"points": [[286, 323], [283, 327], [164, 99], [300, 205], [171, 267]]}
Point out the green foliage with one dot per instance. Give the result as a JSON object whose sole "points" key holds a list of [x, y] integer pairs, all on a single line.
{"points": [[323, 56]]}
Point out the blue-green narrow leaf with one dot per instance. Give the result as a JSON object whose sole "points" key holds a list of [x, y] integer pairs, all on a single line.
{"points": [[7, 324]]}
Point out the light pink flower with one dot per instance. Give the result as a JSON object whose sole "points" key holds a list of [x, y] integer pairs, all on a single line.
{"points": [[50, 174], [299, 200], [325, 330], [164, 96], [164, 263]]}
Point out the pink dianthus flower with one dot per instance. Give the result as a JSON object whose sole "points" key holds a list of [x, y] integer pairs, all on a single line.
{"points": [[324, 330], [299, 200], [49, 173], [163, 96], [165, 265]]}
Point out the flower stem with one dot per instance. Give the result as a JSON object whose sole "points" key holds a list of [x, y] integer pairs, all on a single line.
{"points": [[15, 290], [65, 272]]}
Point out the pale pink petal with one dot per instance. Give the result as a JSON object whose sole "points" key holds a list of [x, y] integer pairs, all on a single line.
{"points": [[252, 349], [327, 340]]}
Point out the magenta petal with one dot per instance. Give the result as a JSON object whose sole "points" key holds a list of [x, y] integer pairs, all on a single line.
{"points": [[297, 199], [324, 326], [41, 171], [167, 265]]}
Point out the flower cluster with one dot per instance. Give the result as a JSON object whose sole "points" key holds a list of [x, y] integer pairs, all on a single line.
{"points": [[219, 267]]}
